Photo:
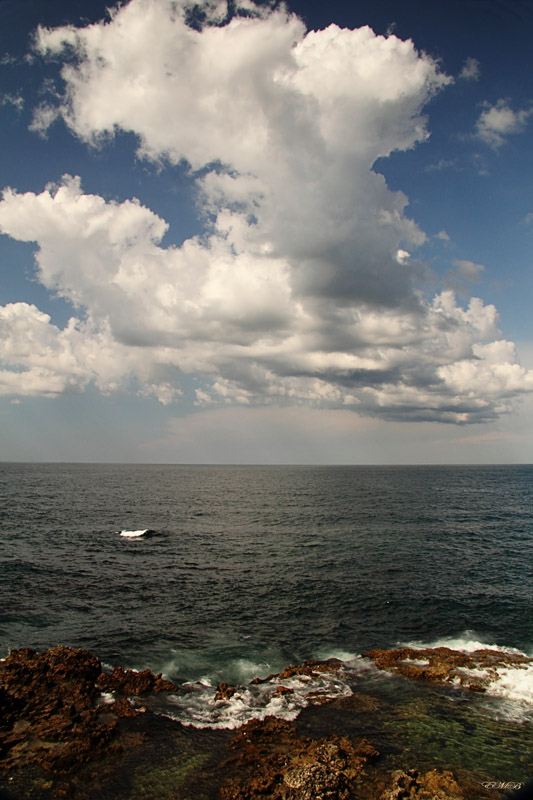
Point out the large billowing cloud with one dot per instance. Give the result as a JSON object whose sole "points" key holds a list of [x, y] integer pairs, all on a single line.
{"points": [[303, 290]]}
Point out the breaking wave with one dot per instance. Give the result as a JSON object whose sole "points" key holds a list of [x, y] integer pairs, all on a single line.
{"points": [[136, 534], [283, 698], [511, 683]]}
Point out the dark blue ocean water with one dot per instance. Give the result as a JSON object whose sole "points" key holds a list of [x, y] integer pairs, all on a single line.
{"points": [[253, 568]]}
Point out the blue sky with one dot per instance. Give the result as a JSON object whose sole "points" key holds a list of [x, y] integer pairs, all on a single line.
{"points": [[268, 235]]}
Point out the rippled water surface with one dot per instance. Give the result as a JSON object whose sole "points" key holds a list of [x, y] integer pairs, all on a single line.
{"points": [[251, 568]]}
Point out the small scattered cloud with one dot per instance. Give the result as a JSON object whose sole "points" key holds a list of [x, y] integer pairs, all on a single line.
{"points": [[468, 270], [479, 163], [499, 121], [462, 276], [443, 236], [202, 398], [444, 163], [528, 219], [12, 100], [165, 393], [471, 70], [402, 256], [7, 60], [43, 117]]}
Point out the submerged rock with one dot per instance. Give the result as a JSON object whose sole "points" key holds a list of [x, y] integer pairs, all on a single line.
{"points": [[412, 785], [275, 763]]}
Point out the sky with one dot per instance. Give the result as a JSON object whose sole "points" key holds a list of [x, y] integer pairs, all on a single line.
{"points": [[256, 232]]}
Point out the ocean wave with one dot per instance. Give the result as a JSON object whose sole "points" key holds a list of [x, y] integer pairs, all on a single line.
{"points": [[508, 686], [136, 534], [468, 642]]}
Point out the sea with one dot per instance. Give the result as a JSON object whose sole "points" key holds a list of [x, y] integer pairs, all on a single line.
{"points": [[228, 573]]}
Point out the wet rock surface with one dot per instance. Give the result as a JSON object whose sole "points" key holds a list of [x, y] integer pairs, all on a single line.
{"points": [[48, 710], [473, 671], [274, 762], [129, 682], [308, 668], [59, 739], [56, 736], [412, 785], [224, 691]]}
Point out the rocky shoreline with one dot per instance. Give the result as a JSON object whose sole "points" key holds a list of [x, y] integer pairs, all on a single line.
{"points": [[70, 729]]}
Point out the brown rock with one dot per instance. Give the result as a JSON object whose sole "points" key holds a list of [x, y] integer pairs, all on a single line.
{"points": [[309, 668], [123, 708], [281, 691], [224, 691], [276, 764], [443, 665], [359, 703], [162, 685], [433, 785], [49, 715], [129, 682]]}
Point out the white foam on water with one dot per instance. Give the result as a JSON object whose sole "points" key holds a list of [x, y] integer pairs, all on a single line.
{"points": [[341, 655], [415, 662], [514, 682], [198, 707], [134, 534], [246, 670], [513, 686], [467, 643], [106, 698], [480, 674], [511, 683], [509, 696]]}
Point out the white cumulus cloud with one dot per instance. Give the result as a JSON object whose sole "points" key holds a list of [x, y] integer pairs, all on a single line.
{"points": [[498, 121], [303, 290]]}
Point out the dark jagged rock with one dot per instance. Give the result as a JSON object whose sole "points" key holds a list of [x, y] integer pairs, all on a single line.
{"points": [[48, 711], [275, 763], [123, 708], [443, 665], [128, 682], [283, 691], [309, 668], [224, 691], [58, 740]]}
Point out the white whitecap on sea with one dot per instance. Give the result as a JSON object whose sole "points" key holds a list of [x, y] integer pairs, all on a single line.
{"points": [[199, 709]]}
